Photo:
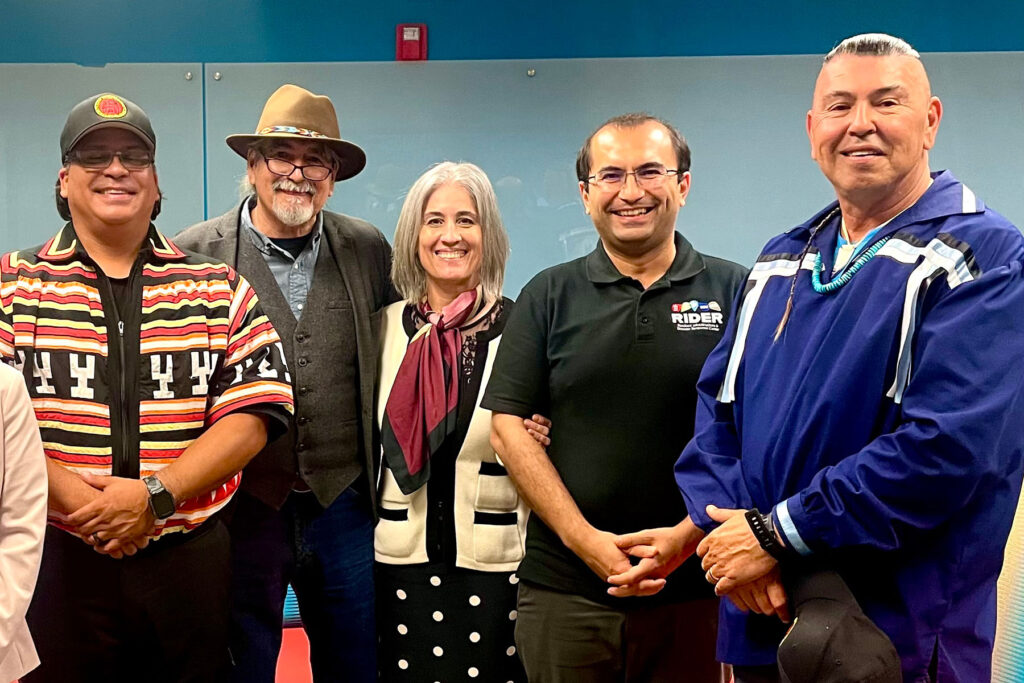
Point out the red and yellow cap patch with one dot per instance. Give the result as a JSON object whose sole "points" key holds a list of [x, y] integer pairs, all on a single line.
{"points": [[110, 107]]}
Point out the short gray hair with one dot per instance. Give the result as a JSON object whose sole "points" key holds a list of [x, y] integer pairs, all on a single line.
{"points": [[264, 147], [873, 45], [406, 271]]}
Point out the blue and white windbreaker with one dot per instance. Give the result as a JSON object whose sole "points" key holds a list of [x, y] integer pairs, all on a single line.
{"points": [[885, 427]]}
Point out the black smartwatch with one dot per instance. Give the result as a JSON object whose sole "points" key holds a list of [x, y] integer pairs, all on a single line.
{"points": [[764, 532], [161, 502]]}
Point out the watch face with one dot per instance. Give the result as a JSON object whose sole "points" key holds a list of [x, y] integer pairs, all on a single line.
{"points": [[161, 502], [163, 505]]}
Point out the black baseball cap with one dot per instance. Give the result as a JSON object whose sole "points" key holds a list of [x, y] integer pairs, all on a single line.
{"points": [[832, 640], [105, 110]]}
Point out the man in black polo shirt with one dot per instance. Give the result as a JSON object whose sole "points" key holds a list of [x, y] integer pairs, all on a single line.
{"points": [[610, 347]]}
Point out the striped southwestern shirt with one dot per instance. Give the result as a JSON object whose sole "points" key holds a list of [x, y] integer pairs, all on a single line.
{"points": [[195, 334]]}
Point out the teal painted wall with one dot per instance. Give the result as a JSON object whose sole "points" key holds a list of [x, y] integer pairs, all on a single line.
{"points": [[94, 33]]}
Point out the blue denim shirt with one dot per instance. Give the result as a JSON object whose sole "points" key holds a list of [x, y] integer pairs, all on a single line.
{"points": [[294, 275]]}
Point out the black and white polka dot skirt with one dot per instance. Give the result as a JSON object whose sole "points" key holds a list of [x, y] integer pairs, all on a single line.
{"points": [[446, 624]]}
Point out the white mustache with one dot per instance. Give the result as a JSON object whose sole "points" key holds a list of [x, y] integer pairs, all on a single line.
{"points": [[288, 185]]}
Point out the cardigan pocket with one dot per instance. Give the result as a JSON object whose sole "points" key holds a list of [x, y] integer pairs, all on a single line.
{"points": [[495, 491], [496, 537], [399, 532]]}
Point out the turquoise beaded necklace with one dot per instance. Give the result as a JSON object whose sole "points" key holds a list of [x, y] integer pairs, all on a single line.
{"points": [[831, 287], [848, 272]]}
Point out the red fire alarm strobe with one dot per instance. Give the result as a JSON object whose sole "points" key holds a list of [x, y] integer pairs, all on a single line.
{"points": [[410, 42]]}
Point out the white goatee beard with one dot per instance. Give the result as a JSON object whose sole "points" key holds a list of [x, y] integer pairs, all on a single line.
{"points": [[288, 212]]}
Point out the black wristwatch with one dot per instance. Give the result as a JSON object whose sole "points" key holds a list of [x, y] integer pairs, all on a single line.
{"points": [[161, 502], [764, 532]]}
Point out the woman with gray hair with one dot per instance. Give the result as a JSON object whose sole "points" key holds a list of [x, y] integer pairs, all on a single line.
{"points": [[452, 525]]}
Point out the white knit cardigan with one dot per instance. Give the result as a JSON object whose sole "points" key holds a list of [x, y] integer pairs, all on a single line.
{"points": [[484, 547]]}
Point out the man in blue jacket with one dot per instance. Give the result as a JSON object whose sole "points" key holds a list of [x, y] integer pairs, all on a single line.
{"points": [[864, 407]]}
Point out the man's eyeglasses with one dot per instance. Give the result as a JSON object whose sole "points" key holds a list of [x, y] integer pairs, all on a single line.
{"points": [[648, 176], [283, 167], [98, 159]]}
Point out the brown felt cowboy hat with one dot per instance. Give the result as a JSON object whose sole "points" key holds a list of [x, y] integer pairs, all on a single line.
{"points": [[295, 113]]}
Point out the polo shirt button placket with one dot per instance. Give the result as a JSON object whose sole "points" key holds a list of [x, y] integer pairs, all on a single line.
{"points": [[644, 328]]}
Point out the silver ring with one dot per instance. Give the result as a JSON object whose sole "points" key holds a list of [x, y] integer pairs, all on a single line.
{"points": [[711, 577], [96, 539]]}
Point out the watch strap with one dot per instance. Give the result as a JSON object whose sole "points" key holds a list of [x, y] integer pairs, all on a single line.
{"points": [[764, 532]]}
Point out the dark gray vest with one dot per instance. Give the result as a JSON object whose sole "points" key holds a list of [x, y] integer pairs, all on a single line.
{"points": [[324, 438]]}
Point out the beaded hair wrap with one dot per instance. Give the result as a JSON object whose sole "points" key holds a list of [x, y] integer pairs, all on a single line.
{"points": [[792, 280]]}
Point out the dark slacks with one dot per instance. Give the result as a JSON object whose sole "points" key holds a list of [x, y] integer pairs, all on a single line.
{"points": [[327, 556], [565, 637], [160, 616]]}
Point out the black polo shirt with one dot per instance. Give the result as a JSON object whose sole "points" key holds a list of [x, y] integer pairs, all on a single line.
{"points": [[615, 367]]}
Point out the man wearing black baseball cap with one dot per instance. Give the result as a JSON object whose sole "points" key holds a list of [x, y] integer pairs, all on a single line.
{"points": [[155, 377], [112, 113]]}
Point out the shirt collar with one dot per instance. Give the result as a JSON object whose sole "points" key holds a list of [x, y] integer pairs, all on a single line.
{"points": [[264, 243], [687, 263], [65, 245]]}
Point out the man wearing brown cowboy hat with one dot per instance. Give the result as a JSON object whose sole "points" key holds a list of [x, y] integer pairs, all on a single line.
{"points": [[155, 377], [305, 514]]}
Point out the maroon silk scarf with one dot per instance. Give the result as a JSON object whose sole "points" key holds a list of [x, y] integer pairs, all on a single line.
{"points": [[421, 410]]}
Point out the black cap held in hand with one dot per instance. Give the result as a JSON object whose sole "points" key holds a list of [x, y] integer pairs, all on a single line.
{"points": [[832, 640], [105, 111]]}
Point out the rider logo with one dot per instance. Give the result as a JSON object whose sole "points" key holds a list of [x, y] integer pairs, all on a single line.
{"points": [[693, 315]]}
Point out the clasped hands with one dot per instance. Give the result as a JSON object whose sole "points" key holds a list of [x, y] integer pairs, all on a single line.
{"points": [[739, 568], [659, 552], [117, 520]]}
